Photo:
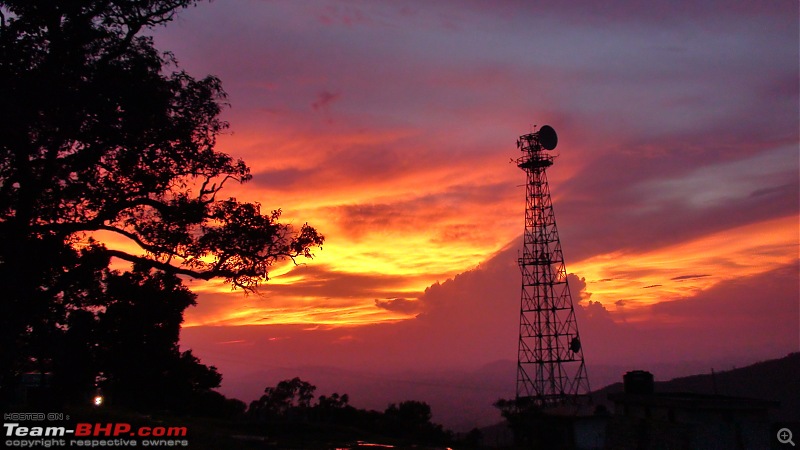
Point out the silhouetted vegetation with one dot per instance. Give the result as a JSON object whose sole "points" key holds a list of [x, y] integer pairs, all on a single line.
{"points": [[518, 414], [128, 347], [102, 133], [531, 426], [288, 410]]}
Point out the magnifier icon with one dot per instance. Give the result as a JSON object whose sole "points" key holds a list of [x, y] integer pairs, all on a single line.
{"points": [[785, 436]]}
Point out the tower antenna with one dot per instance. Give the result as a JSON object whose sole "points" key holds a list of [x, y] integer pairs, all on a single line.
{"points": [[550, 366]]}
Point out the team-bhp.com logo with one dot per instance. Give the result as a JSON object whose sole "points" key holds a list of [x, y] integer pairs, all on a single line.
{"points": [[94, 430]]}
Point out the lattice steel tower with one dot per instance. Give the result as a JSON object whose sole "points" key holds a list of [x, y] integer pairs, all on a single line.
{"points": [[550, 366]]}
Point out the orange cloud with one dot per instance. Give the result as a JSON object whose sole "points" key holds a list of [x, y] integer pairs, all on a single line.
{"points": [[683, 270]]}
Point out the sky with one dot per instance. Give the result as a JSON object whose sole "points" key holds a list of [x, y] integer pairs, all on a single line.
{"points": [[390, 126]]}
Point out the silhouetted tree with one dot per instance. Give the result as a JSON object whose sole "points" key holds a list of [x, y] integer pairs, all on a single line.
{"points": [[287, 411], [334, 401], [474, 438], [517, 413], [532, 426], [137, 342], [335, 409], [411, 420], [214, 404], [410, 414], [74, 363], [288, 398], [127, 344], [101, 132]]}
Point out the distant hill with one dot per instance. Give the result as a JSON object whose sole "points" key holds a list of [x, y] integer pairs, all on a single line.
{"points": [[777, 379]]}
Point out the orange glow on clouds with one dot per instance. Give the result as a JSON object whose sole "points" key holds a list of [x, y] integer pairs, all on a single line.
{"points": [[628, 279], [616, 280], [412, 224], [394, 236]]}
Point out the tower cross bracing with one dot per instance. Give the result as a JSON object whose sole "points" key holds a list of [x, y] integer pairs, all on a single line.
{"points": [[550, 365]]}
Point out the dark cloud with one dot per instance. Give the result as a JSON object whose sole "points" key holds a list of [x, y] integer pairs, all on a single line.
{"points": [[439, 212], [325, 99], [317, 280], [284, 177], [689, 277], [399, 304]]}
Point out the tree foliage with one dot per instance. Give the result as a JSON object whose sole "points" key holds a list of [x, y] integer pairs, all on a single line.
{"points": [[99, 138], [102, 133], [412, 419], [288, 407], [137, 342], [129, 348], [286, 397]]}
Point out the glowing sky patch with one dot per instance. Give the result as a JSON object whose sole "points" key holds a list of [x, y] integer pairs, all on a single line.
{"points": [[685, 269]]}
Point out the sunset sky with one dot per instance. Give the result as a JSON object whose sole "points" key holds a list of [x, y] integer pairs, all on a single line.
{"points": [[390, 127]]}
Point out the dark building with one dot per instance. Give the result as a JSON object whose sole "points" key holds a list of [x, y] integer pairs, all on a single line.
{"points": [[644, 419]]}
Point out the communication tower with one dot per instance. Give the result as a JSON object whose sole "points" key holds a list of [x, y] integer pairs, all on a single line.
{"points": [[550, 366]]}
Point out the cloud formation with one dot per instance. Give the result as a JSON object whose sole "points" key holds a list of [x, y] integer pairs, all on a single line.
{"points": [[391, 128], [403, 305]]}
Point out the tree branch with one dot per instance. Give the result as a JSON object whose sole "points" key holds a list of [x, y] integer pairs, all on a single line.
{"points": [[132, 236], [105, 216], [203, 275]]}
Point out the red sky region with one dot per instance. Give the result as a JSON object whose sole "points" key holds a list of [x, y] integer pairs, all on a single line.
{"points": [[390, 127]]}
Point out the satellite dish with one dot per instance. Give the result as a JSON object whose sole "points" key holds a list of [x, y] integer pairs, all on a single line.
{"points": [[575, 345], [547, 137]]}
